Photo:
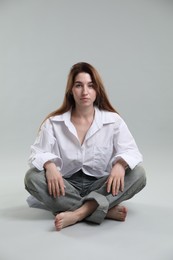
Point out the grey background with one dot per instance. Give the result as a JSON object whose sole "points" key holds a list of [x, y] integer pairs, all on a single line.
{"points": [[130, 44]]}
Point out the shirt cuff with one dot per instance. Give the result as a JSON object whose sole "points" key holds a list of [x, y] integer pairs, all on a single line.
{"points": [[131, 161], [40, 159]]}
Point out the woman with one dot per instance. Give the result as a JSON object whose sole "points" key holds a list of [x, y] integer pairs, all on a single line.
{"points": [[84, 161]]}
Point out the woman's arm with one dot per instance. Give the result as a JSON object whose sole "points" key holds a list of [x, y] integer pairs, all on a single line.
{"points": [[115, 181], [126, 156], [54, 180], [125, 146], [42, 150]]}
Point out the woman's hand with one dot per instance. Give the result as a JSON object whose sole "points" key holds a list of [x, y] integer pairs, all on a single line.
{"points": [[54, 180], [115, 181]]}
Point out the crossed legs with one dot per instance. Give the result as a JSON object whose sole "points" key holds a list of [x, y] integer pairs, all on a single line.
{"points": [[94, 207], [68, 218]]}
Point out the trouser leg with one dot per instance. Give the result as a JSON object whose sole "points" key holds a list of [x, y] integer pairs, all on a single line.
{"points": [[135, 180], [35, 182], [36, 185]]}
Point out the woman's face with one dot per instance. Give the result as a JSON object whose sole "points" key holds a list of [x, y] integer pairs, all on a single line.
{"points": [[83, 90]]}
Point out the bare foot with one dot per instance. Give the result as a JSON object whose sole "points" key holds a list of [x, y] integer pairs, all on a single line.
{"points": [[65, 219], [117, 213]]}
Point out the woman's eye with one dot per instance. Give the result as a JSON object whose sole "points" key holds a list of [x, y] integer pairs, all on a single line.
{"points": [[91, 85], [78, 85]]}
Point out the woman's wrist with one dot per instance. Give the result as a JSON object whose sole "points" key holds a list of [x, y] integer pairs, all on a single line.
{"points": [[48, 164], [123, 163]]}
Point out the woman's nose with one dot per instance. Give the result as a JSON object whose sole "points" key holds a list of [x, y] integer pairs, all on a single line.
{"points": [[85, 90]]}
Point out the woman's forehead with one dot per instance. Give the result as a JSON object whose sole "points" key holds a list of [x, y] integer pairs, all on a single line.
{"points": [[83, 76]]}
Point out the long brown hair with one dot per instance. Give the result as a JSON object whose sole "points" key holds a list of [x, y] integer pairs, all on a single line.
{"points": [[102, 101]]}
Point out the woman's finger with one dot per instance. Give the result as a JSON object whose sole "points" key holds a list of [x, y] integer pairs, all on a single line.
{"points": [[114, 183], [61, 186], [109, 184], [49, 188], [122, 184], [53, 187], [117, 187]]}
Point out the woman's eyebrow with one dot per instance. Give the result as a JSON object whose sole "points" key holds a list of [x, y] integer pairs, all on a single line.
{"points": [[81, 82], [77, 81]]}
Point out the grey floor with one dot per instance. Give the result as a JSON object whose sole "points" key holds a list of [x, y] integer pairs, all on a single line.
{"points": [[28, 233]]}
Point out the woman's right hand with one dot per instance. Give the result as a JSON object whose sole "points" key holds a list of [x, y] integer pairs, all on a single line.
{"points": [[54, 180]]}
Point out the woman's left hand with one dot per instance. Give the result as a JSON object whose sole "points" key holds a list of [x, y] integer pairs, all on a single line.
{"points": [[115, 181]]}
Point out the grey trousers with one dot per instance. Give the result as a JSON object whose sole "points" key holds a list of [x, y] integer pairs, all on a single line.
{"points": [[80, 188]]}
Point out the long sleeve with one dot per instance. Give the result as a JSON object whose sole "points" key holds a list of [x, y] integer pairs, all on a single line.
{"points": [[43, 148], [125, 146]]}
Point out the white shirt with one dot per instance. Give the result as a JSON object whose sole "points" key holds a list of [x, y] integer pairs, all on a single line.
{"points": [[107, 140]]}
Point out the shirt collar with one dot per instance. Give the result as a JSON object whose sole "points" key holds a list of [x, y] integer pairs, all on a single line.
{"points": [[66, 118], [105, 117], [101, 117], [63, 117]]}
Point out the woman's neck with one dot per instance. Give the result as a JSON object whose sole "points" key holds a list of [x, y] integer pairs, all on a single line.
{"points": [[83, 113], [82, 120]]}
